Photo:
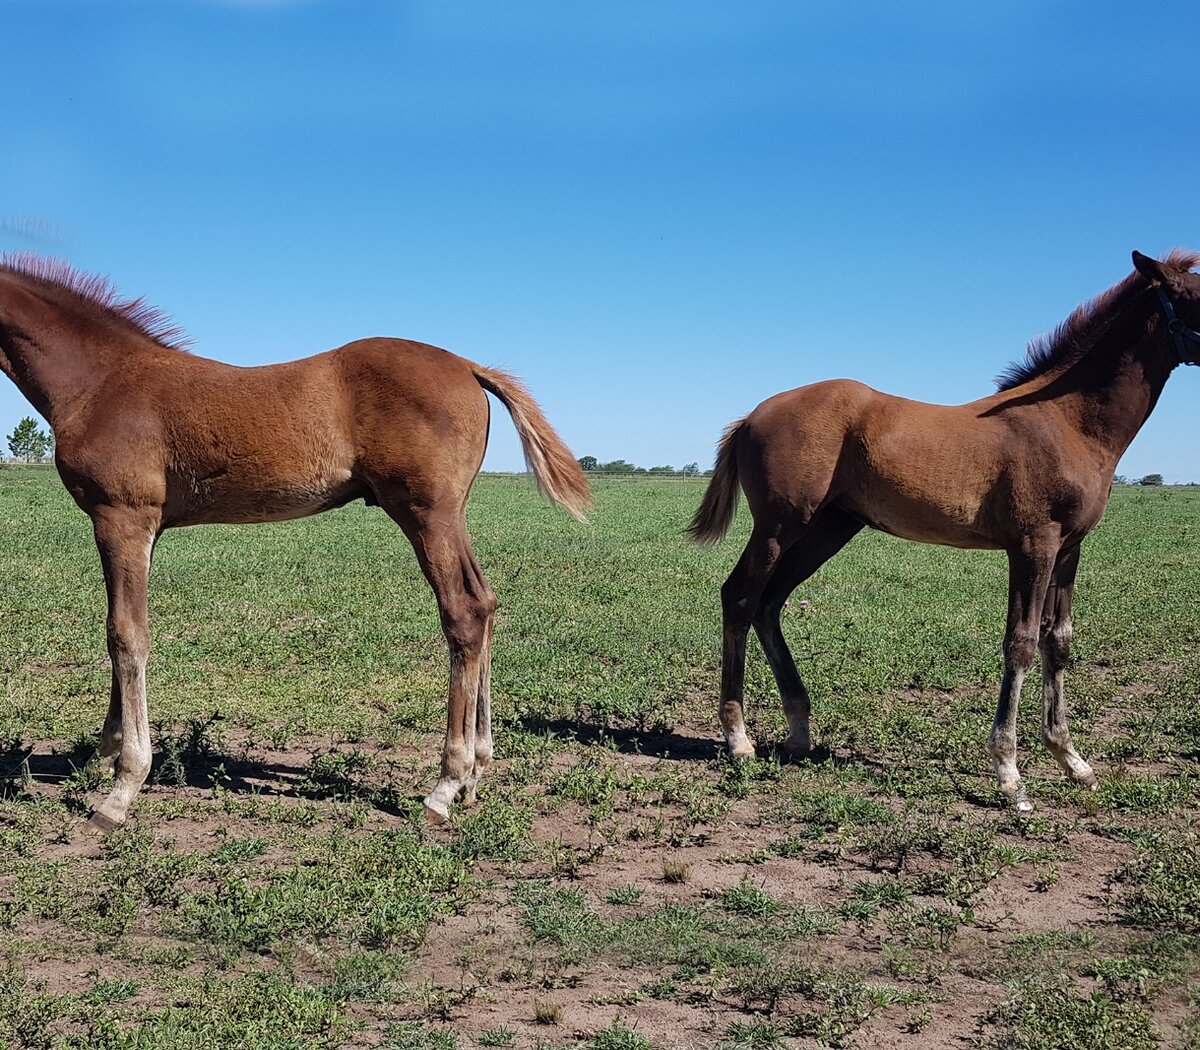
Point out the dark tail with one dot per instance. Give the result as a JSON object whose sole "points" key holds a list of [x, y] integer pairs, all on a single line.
{"points": [[557, 473], [720, 501]]}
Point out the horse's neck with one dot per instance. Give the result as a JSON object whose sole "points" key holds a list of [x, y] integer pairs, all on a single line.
{"points": [[38, 353], [1118, 395]]}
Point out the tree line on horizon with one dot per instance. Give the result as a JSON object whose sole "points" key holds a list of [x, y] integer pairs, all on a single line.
{"points": [[1149, 479], [592, 465]]}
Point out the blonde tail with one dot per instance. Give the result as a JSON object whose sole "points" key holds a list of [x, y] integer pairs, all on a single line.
{"points": [[555, 470]]}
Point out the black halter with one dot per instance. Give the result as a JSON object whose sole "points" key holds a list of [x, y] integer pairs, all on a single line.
{"points": [[1178, 329]]}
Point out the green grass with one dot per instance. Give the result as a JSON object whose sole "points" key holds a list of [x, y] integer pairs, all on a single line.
{"points": [[1045, 1015], [279, 887]]}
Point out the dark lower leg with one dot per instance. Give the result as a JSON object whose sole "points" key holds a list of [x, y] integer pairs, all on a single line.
{"points": [[1029, 576], [1055, 644], [825, 536], [739, 601]]}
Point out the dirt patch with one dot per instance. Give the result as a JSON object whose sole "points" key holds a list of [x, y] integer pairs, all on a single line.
{"points": [[816, 941]]}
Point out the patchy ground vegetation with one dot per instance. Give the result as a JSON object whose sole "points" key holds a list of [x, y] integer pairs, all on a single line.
{"points": [[619, 885]]}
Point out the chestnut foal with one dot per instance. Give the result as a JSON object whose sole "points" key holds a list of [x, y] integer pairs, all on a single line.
{"points": [[1027, 470], [149, 437]]}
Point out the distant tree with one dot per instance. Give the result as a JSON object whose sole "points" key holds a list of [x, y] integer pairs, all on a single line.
{"points": [[28, 442], [1151, 479], [623, 466], [1120, 479], [619, 466]]}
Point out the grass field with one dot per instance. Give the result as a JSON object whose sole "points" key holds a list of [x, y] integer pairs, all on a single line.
{"points": [[619, 886]]}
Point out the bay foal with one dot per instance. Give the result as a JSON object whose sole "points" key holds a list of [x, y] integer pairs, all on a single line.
{"points": [[149, 437], [1027, 470]]}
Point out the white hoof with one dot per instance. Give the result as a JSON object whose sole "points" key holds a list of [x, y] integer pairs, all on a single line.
{"points": [[738, 744], [440, 799], [1014, 794]]}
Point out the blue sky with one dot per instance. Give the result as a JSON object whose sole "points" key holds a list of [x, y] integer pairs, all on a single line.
{"points": [[657, 213]]}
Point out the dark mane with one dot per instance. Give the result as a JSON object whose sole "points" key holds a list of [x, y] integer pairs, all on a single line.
{"points": [[1079, 332], [96, 292]]}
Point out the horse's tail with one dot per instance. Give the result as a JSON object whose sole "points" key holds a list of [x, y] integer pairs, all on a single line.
{"points": [[557, 473], [720, 500]]}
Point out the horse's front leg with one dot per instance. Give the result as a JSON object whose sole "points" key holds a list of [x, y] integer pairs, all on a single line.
{"points": [[125, 539], [1055, 644], [1029, 567]]}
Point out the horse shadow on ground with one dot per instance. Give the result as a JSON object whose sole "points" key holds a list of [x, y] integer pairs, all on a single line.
{"points": [[333, 776], [667, 744], [662, 742], [311, 776]]}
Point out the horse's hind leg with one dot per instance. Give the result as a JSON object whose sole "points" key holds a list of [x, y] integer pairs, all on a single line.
{"points": [[1055, 644], [827, 535], [110, 732], [466, 605], [483, 704], [739, 602], [125, 539], [1029, 569]]}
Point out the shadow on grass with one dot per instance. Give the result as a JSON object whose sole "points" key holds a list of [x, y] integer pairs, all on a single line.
{"points": [[664, 743], [334, 776]]}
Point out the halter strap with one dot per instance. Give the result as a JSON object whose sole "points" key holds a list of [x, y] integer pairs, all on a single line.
{"points": [[1181, 332]]}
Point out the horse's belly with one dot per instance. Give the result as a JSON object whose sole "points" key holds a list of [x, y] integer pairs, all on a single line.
{"points": [[945, 534], [926, 522], [226, 500]]}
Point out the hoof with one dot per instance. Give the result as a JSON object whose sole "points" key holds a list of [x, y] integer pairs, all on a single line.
{"points": [[740, 747], [436, 813], [1089, 782], [99, 824], [795, 751], [1015, 796]]}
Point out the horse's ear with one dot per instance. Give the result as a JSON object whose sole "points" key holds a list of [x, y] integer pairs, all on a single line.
{"points": [[1149, 268]]}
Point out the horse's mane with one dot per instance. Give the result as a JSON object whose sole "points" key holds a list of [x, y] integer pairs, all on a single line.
{"points": [[1079, 332], [95, 292]]}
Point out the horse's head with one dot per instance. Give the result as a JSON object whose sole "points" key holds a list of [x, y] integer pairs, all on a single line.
{"points": [[1178, 291]]}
